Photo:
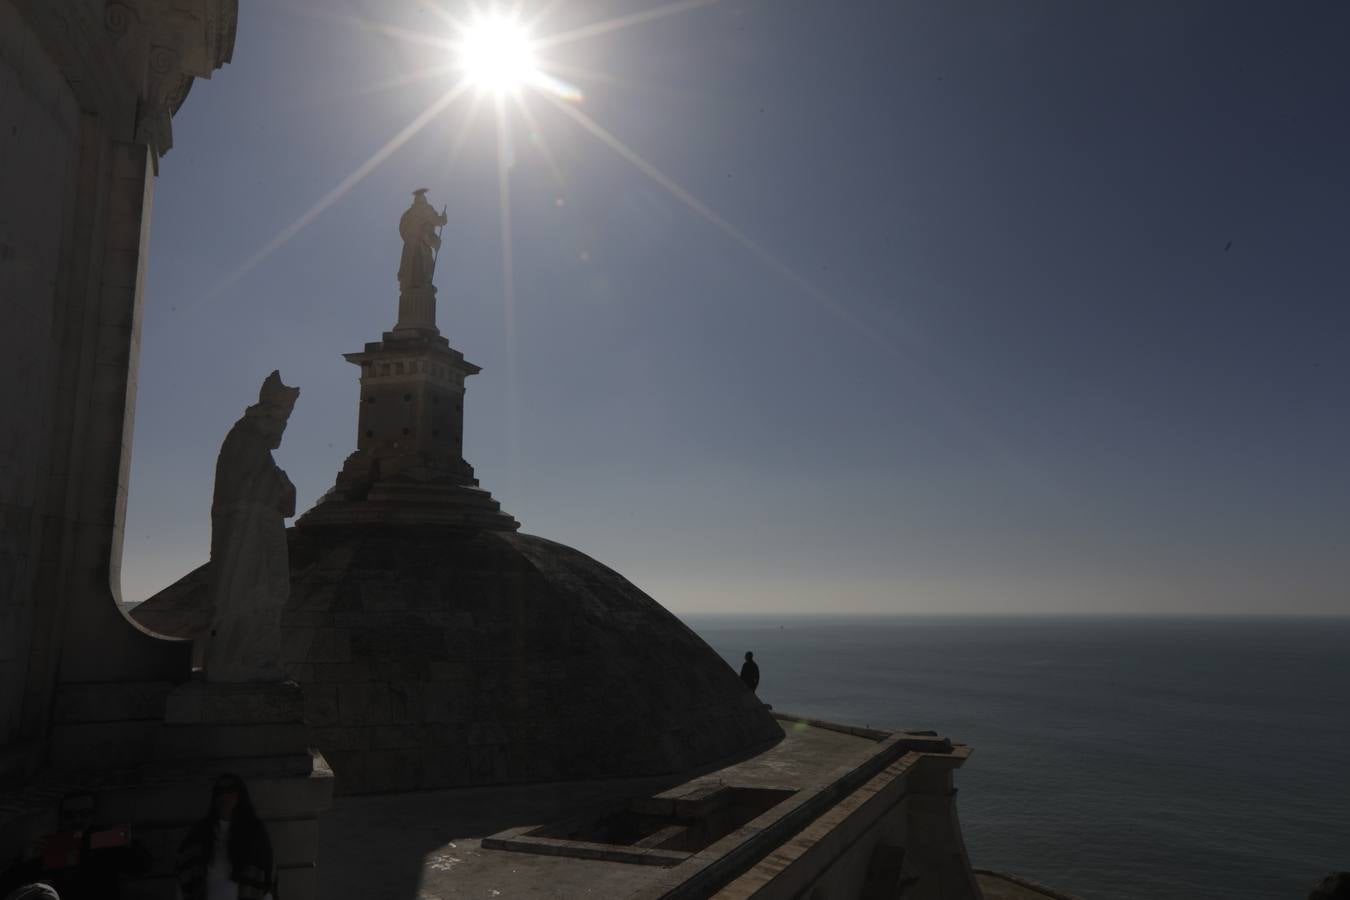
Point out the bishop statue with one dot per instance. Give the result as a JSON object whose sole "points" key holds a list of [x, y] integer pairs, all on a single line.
{"points": [[250, 568]]}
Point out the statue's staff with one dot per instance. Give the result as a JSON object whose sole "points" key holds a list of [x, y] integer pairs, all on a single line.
{"points": [[436, 251]]}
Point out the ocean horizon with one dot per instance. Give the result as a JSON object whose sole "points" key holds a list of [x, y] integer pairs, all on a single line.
{"points": [[1115, 757]]}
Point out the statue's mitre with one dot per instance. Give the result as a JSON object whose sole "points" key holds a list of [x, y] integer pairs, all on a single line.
{"points": [[275, 397]]}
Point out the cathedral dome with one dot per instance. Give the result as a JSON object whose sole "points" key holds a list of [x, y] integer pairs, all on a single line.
{"points": [[441, 657]]}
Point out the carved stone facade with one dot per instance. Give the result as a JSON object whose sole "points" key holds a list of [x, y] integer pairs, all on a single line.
{"points": [[89, 90], [88, 698], [133, 62]]}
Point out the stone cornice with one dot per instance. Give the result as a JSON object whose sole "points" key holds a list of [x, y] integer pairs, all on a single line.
{"points": [[132, 62]]}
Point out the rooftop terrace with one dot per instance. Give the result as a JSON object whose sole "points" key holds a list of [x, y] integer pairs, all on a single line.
{"points": [[731, 829]]}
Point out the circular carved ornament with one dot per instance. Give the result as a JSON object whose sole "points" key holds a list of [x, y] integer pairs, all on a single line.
{"points": [[162, 59], [117, 18]]}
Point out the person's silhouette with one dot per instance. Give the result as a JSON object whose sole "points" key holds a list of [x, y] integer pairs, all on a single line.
{"points": [[1334, 887], [750, 671]]}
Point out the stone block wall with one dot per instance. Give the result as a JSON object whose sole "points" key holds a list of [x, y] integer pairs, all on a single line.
{"points": [[436, 659], [39, 151]]}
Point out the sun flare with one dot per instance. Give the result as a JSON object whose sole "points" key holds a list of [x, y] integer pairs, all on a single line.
{"points": [[495, 54]]}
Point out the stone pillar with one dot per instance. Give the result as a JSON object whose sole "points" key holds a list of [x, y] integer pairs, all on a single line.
{"points": [[417, 309]]}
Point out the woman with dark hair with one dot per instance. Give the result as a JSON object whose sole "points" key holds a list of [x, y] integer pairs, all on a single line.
{"points": [[227, 854]]}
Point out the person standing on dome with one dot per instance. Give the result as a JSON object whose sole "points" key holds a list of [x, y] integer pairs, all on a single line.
{"points": [[227, 855], [750, 671], [1335, 886]]}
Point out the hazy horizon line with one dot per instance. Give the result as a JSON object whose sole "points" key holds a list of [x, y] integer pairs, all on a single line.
{"points": [[127, 606], [873, 614]]}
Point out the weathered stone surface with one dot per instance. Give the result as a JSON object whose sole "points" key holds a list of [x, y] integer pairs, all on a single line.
{"points": [[111, 701], [467, 658], [227, 741], [252, 704], [85, 119]]}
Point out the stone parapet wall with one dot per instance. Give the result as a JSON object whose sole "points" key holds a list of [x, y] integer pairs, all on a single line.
{"points": [[893, 835]]}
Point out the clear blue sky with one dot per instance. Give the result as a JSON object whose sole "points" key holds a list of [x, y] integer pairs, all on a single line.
{"points": [[1014, 307]]}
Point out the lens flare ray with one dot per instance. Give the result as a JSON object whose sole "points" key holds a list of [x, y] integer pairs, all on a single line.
{"points": [[620, 22], [504, 162], [338, 191], [504, 62], [937, 385], [537, 134], [371, 26], [736, 234], [405, 79]]}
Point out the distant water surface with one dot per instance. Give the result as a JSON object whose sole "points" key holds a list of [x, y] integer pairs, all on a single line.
{"points": [[1114, 758]]}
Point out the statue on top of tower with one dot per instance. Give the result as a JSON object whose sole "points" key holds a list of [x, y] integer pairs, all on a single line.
{"points": [[418, 227]]}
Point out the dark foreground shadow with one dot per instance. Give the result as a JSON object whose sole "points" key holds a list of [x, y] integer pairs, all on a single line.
{"points": [[377, 847]]}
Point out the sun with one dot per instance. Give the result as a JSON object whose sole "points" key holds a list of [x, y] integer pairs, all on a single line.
{"points": [[495, 53]]}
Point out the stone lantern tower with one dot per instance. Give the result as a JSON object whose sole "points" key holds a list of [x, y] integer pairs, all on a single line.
{"points": [[409, 468]]}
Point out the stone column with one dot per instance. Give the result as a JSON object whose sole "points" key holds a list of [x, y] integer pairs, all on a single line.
{"points": [[417, 309]]}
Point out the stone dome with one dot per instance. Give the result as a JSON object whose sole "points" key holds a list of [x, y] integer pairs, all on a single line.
{"points": [[434, 656]]}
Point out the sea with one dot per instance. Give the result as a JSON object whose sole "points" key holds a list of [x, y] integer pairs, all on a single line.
{"points": [[1114, 758]]}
